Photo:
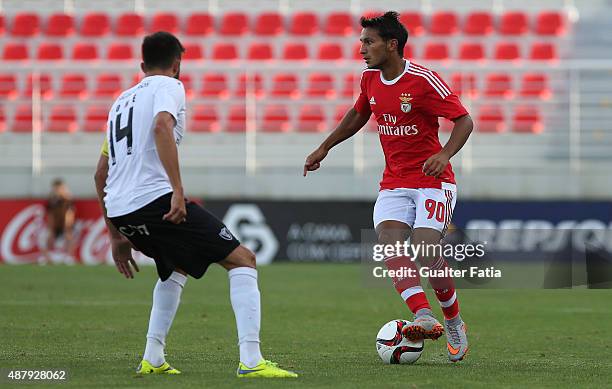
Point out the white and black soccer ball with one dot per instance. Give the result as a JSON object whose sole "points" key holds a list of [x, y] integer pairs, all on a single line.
{"points": [[393, 348]]}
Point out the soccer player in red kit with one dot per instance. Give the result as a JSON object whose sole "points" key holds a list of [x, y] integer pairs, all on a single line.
{"points": [[417, 192]]}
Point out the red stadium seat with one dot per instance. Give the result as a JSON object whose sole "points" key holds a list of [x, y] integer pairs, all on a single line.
{"points": [[276, 119], [120, 52], [443, 23], [330, 52], [339, 24], [2, 26], [50, 52], [409, 51], [225, 51], [295, 52], [490, 119], [234, 24], [340, 111], [550, 23], [199, 24], [214, 85], [62, 119], [436, 51], [260, 51], [136, 79], [108, 85], [526, 119], [543, 51], [95, 24], [187, 81], [498, 85], [129, 25], [8, 86], [311, 119], [60, 25], [446, 125], [204, 119], [25, 24], [285, 85], [15, 52], [372, 14], [73, 86], [2, 120], [471, 52], [535, 85], [44, 85], [251, 83], [236, 120], [304, 23], [413, 21], [85, 52], [96, 118], [464, 84], [320, 85], [513, 23], [193, 52], [356, 55], [22, 121], [478, 23], [507, 51], [269, 24], [350, 85], [164, 21]]}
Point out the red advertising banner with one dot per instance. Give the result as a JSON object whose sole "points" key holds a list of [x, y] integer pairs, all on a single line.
{"points": [[23, 234]]}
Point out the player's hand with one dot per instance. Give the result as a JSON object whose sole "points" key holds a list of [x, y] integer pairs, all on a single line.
{"points": [[122, 255], [178, 211], [313, 161], [435, 165]]}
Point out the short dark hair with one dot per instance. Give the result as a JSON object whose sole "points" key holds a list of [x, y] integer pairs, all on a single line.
{"points": [[388, 27], [57, 182], [160, 50]]}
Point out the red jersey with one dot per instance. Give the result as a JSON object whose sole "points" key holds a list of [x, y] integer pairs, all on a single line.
{"points": [[407, 110]]}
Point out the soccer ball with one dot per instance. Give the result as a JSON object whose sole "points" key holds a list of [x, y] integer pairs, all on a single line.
{"points": [[393, 348]]}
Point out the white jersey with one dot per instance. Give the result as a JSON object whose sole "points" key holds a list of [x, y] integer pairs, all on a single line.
{"points": [[136, 175]]}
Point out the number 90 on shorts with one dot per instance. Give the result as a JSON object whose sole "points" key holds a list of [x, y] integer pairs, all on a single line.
{"points": [[418, 208]]}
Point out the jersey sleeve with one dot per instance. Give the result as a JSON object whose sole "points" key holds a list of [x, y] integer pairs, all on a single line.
{"points": [[104, 149], [169, 97], [440, 100], [362, 105]]}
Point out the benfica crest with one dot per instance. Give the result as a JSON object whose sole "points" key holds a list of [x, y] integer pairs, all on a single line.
{"points": [[405, 102]]}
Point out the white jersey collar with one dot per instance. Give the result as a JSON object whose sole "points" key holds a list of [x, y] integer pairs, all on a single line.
{"points": [[396, 79]]}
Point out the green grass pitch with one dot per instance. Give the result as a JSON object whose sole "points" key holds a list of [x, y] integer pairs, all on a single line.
{"points": [[318, 319]]}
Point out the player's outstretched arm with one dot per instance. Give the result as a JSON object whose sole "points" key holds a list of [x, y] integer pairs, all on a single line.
{"points": [[121, 248], [350, 124], [163, 128], [435, 165]]}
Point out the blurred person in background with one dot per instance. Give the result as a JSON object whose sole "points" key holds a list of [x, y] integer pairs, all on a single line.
{"points": [[60, 220]]}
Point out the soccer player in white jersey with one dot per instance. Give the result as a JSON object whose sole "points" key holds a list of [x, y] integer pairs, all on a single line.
{"points": [[417, 192], [139, 186]]}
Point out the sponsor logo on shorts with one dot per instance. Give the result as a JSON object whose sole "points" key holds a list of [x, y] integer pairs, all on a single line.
{"points": [[225, 234]]}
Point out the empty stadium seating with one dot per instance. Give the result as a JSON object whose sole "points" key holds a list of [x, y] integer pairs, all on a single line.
{"points": [[284, 42], [204, 118]]}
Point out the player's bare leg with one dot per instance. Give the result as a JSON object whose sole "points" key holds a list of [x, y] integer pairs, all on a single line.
{"points": [[425, 325], [166, 299], [444, 287], [245, 299]]}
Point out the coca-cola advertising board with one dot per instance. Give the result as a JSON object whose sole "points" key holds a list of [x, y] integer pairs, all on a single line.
{"points": [[23, 235]]}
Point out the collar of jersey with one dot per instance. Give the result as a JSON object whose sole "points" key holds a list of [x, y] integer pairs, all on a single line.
{"points": [[396, 79]]}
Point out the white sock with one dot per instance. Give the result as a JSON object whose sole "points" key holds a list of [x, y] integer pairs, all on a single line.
{"points": [[166, 298], [244, 295]]}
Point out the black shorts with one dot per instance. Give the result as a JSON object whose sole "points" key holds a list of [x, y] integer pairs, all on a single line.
{"points": [[190, 246]]}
